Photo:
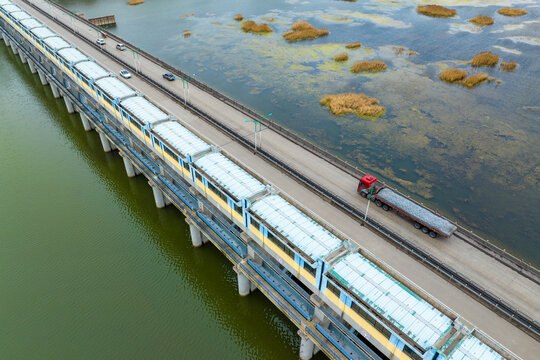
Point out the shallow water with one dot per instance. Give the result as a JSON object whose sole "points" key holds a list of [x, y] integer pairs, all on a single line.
{"points": [[90, 269]]}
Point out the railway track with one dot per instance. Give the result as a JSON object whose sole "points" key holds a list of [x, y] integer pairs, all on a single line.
{"points": [[526, 323]]}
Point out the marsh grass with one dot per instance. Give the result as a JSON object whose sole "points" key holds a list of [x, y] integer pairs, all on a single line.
{"points": [[402, 50], [508, 66], [238, 17], [302, 30], [475, 80], [486, 58], [351, 103], [435, 11], [187, 33], [482, 20], [252, 26], [342, 57], [453, 75], [135, 2], [512, 12], [354, 45], [371, 66]]}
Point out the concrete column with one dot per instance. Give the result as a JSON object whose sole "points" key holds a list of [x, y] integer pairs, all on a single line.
{"points": [[69, 104], [14, 47], [130, 169], [86, 123], [43, 78], [158, 197], [105, 142], [32, 67], [307, 347], [244, 285], [6, 40], [56, 94], [22, 56], [196, 236]]}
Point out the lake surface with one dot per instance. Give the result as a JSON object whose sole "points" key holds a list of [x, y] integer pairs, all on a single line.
{"points": [[473, 154], [90, 269]]}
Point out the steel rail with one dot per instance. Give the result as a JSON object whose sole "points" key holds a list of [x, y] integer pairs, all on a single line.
{"points": [[523, 321]]}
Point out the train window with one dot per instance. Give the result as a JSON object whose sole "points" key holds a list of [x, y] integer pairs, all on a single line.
{"points": [[287, 250], [380, 328], [237, 208], [311, 270], [157, 143], [410, 353], [171, 154], [198, 176], [186, 165], [255, 223], [333, 288], [136, 123]]}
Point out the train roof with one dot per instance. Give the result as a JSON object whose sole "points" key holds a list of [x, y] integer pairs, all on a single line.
{"points": [[471, 348], [299, 228], [412, 315], [232, 177], [5, 2], [91, 70], [72, 55], [42, 32], [20, 15], [31, 23], [430, 219], [143, 110], [9, 7], [114, 88], [56, 43], [181, 139]]}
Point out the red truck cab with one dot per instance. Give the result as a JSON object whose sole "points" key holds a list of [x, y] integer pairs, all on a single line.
{"points": [[365, 185]]}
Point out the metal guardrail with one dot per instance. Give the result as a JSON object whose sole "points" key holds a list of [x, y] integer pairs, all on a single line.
{"points": [[496, 303], [464, 234]]}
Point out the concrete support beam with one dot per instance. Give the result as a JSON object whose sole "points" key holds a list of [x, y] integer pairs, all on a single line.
{"points": [[14, 47], [32, 67], [22, 56], [196, 235], [56, 94], [6, 40], [307, 347], [244, 285], [105, 142], [158, 197], [69, 104], [43, 78], [130, 169], [86, 123]]}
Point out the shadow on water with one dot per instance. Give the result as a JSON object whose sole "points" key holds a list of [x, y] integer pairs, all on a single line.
{"points": [[198, 311]]}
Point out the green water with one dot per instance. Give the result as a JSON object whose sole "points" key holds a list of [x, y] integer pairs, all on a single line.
{"points": [[90, 269], [473, 154]]}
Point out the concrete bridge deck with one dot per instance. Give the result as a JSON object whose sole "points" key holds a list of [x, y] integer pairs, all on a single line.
{"points": [[488, 272]]}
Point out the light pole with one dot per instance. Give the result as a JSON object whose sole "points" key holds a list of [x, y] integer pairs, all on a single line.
{"points": [[259, 123], [136, 58], [369, 201], [185, 85]]}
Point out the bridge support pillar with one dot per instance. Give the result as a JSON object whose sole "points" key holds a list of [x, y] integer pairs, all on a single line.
{"points": [[6, 40], [32, 67], [56, 94], [196, 235], [105, 142], [158, 197], [244, 285], [86, 123], [307, 347], [22, 56], [43, 78], [14, 47], [69, 104], [130, 169]]}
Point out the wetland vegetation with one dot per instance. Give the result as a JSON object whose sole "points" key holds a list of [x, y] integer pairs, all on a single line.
{"points": [[302, 30]]}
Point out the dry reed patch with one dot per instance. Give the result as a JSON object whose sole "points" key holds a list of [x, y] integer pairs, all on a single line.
{"points": [[185, 16], [351, 103], [365, 65], [486, 58], [482, 20], [475, 80], [302, 30], [453, 75], [508, 66], [435, 11], [135, 2], [354, 45], [187, 33], [252, 26], [238, 17], [342, 57], [402, 50], [512, 12]]}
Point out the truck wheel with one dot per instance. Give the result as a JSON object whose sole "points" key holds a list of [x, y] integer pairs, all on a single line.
{"points": [[385, 207], [425, 230], [433, 234], [417, 225], [378, 203], [363, 194]]}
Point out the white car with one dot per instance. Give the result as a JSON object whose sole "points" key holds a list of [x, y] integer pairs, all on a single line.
{"points": [[100, 41], [125, 74]]}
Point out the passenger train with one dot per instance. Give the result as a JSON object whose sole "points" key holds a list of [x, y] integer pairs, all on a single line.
{"points": [[400, 322]]}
